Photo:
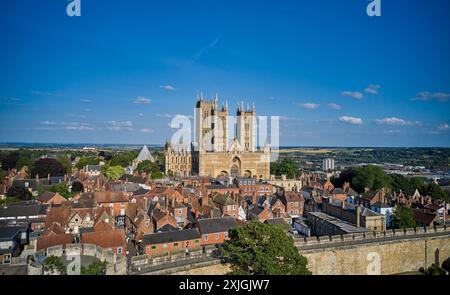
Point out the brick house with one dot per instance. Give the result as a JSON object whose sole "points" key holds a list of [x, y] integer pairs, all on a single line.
{"points": [[113, 239], [118, 201], [166, 242], [49, 198], [215, 230], [162, 218], [226, 204], [293, 201], [260, 213]]}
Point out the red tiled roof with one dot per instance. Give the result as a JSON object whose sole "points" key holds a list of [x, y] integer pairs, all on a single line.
{"points": [[45, 242], [105, 239], [110, 197]]}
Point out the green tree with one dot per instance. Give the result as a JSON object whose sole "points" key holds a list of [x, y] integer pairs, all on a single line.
{"points": [[435, 191], [435, 270], [403, 218], [113, 172], [19, 193], [54, 265], [419, 183], [285, 167], [95, 268], [25, 160], [60, 188], [147, 166], [257, 248], [66, 162], [400, 182], [372, 177], [10, 160], [123, 159], [46, 166], [83, 161]]}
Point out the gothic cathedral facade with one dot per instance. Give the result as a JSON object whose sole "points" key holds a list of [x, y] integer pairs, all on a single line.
{"points": [[212, 153]]}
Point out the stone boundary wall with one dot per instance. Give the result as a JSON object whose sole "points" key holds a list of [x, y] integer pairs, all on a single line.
{"points": [[311, 243], [387, 253], [145, 261], [117, 265]]}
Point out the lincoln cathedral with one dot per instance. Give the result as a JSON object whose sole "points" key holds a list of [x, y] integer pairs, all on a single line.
{"points": [[212, 153]]}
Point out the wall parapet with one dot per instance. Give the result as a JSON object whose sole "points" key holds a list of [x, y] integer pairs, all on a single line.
{"points": [[325, 241]]}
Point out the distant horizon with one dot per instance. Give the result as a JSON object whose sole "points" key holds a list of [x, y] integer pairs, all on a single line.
{"points": [[87, 144]]}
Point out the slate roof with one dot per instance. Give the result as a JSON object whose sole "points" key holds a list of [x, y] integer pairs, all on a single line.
{"points": [[21, 210], [338, 191], [171, 236], [216, 225], [422, 217], [47, 196], [8, 233]]}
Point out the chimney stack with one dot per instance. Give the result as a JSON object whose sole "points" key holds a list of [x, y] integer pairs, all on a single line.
{"points": [[358, 216]]}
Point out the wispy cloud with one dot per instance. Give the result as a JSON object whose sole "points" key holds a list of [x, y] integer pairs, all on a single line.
{"points": [[168, 87], [86, 100], [142, 100], [443, 127], [353, 94], [47, 123], [119, 125], [42, 93], [432, 96], [141, 115], [9, 99], [68, 126], [392, 132], [146, 130], [334, 106], [372, 89], [397, 121], [205, 49], [309, 105], [351, 120], [164, 115]]}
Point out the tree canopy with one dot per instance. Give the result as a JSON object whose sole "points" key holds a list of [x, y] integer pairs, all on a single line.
{"points": [[123, 159], [95, 268], [54, 265], [19, 193], [46, 166], [113, 172], [257, 248], [403, 218], [61, 188], [83, 161], [284, 167], [150, 168]]}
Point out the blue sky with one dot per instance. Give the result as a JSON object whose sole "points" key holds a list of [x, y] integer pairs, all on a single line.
{"points": [[118, 73]]}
